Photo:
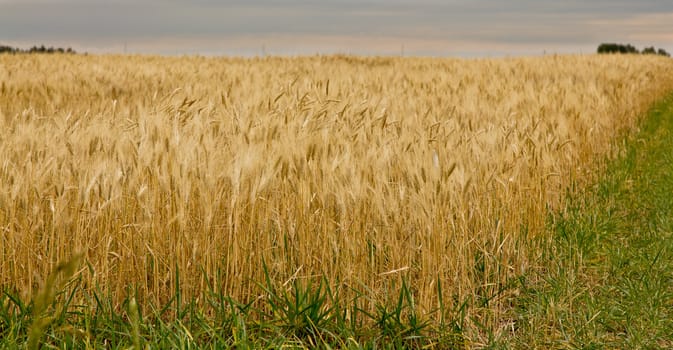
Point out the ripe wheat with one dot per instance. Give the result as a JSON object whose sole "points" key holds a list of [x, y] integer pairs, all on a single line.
{"points": [[363, 170]]}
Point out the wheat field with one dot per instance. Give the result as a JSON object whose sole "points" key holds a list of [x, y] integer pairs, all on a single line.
{"points": [[362, 171]]}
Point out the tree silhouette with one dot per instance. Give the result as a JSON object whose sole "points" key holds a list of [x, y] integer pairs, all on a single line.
{"points": [[649, 51], [616, 48], [608, 48], [35, 49]]}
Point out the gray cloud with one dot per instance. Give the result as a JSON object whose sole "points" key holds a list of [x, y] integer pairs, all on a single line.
{"points": [[519, 25]]}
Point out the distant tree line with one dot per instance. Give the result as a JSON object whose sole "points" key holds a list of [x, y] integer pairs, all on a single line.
{"points": [[35, 49], [628, 48]]}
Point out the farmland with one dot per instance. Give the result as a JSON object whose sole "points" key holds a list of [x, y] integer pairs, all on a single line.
{"points": [[179, 176]]}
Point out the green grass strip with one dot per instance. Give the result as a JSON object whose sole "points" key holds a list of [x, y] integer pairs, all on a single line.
{"points": [[608, 276]]}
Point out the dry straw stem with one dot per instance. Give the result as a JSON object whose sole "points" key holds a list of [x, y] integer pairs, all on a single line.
{"points": [[363, 170]]}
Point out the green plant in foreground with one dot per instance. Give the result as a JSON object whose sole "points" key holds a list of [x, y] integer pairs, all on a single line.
{"points": [[401, 325], [134, 318], [302, 311], [294, 315], [43, 302]]}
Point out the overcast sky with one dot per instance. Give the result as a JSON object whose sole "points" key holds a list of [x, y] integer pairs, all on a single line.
{"points": [[255, 27]]}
